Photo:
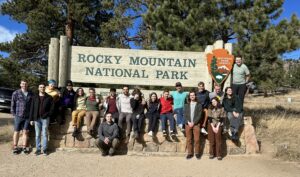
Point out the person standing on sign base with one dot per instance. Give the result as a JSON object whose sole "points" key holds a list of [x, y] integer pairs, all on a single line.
{"points": [[153, 109], [138, 106], [179, 98], [240, 76], [193, 116], [125, 111], [217, 93]]}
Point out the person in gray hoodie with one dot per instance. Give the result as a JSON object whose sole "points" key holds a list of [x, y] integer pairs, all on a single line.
{"points": [[108, 132]]}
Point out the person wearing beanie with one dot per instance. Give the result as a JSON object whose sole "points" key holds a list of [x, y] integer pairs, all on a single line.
{"points": [[54, 93]]}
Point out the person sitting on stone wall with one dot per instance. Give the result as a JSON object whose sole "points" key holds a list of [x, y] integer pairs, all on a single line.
{"points": [[108, 132], [79, 110], [110, 105], [234, 110], [153, 108], [55, 94], [193, 115], [138, 106], [216, 115], [66, 100], [166, 113], [93, 107], [217, 93]]}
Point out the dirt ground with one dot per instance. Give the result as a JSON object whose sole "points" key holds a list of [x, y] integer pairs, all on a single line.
{"points": [[73, 164]]}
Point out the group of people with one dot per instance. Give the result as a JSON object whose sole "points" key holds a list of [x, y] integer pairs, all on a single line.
{"points": [[195, 112]]}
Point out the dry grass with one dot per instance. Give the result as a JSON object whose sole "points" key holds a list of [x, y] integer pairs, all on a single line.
{"points": [[277, 121], [6, 133]]}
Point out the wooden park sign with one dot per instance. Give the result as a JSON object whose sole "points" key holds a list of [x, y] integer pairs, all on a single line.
{"points": [[128, 66], [219, 64]]}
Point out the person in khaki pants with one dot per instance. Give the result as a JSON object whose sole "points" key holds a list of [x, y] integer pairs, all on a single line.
{"points": [[79, 110], [193, 115], [216, 115], [93, 106]]}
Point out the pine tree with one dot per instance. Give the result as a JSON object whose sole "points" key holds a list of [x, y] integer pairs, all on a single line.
{"points": [[192, 25]]}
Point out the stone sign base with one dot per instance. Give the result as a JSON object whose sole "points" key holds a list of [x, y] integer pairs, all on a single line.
{"points": [[60, 137]]}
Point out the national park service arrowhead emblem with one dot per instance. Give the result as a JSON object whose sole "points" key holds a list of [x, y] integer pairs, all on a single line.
{"points": [[219, 64]]}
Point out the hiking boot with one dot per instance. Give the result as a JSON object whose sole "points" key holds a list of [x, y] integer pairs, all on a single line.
{"points": [[75, 132], [189, 156], [198, 156], [111, 151], [45, 152], [37, 152], [26, 150]]}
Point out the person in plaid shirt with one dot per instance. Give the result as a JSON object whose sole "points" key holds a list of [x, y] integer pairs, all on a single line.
{"points": [[20, 109]]}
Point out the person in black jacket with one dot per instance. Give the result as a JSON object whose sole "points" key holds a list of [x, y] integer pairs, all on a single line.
{"points": [[41, 109], [193, 116], [108, 132], [153, 108], [234, 110], [66, 100], [138, 107]]}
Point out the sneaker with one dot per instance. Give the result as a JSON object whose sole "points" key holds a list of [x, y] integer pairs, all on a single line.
{"points": [[75, 132], [189, 156], [26, 150], [164, 133], [16, 151], [173, 135], [198, 157], [53, 122], [229, 133], [45, 152], [219, 158], [211, 156], [204, 131], [150, 133], [37, 152]]}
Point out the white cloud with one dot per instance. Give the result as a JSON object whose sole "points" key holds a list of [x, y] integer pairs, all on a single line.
{"points": [[6, 35]]}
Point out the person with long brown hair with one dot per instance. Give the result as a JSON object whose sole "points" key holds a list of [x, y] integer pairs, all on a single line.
{"points": [[79, 110], [216, 115]]}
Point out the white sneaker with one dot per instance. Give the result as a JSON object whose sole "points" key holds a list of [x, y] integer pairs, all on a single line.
{"points": [[150, 133], [204, 131], [229, 133]]}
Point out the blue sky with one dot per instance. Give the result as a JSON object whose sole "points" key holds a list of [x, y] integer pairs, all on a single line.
{"points": [[9, 28]]}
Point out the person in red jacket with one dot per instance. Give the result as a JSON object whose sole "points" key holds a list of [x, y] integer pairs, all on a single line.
{"points": [[166, 112]]}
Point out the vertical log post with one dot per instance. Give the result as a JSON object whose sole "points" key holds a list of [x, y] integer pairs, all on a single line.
{"points": [[53, 59]]}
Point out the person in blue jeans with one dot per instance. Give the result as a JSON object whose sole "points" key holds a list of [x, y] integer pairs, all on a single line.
{"points": [[41, 109], [179, 97], [166, 113]]}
